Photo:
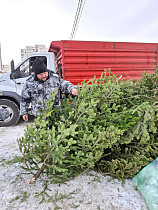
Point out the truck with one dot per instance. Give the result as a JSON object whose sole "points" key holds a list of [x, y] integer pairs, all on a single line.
{"points": [[76, 61]]}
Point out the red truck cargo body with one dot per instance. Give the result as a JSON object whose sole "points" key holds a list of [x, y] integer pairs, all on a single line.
{"points": [[81, 60]]}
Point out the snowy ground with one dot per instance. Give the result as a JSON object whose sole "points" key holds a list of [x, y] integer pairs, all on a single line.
{"points": [[87, 192]]}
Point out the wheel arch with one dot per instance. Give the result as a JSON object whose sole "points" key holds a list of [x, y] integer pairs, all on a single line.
{"points": [[12, 96]]}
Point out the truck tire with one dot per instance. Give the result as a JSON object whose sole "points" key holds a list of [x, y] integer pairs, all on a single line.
{"points": [[9, 113]]}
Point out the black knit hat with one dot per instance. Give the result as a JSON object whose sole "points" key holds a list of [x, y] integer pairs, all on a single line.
{"points": [[39, 66]]}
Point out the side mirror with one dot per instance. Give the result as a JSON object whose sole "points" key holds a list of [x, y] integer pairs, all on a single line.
{"points": [[12, 66], [14, 73]]}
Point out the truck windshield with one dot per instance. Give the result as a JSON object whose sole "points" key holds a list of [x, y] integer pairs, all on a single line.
{"points": [[24, 69]]}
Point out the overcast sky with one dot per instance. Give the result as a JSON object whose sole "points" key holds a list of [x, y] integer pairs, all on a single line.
{"points": [[29, 22]]}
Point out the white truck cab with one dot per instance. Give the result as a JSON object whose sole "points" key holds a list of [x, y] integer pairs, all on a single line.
{"points": [[11, 84]]}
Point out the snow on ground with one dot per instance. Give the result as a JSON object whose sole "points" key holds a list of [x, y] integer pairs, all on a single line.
{"points": [[86, 192]]}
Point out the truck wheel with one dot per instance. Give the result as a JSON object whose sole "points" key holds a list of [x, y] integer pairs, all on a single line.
{"points": [[9, 113]]}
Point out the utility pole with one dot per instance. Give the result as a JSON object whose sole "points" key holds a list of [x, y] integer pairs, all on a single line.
{"points": [[0, 59]]}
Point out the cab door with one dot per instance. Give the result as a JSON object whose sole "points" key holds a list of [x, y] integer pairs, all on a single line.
{"points": [[24, 71]]}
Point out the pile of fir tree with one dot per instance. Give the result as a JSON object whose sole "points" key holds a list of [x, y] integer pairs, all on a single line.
{"points": [[110, 126]]}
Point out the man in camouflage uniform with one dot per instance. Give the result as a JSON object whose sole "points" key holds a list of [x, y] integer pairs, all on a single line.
{"points": [[39, 86]]}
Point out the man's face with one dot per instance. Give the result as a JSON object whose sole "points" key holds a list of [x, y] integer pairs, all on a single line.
{"points": [[43, 76]]}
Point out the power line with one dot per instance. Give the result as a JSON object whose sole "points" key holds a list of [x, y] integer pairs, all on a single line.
{"points": [[80, 7], [76, 19]]}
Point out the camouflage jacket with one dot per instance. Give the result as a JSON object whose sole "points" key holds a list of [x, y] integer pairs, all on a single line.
{"points": [[37, 92]]}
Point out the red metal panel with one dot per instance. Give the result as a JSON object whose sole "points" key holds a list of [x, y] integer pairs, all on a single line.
{"points": [[102, 45], [157, 58], [140, 46], [81, 60], [63, 60]]}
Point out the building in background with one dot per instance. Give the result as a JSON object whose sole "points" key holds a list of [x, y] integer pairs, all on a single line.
{"points": [[30, 49], [5, 68], [24, 52]]}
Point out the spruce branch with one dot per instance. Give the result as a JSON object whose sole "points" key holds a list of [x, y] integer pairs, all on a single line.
{"points": [[26, 162], [43, 164], [100, 103]]}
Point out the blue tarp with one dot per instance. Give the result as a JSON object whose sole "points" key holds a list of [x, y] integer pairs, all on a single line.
{"points": [[146, 182]]}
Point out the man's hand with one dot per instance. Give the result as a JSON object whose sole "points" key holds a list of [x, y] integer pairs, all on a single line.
{"points": [[25, 117], [74, 92]]}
